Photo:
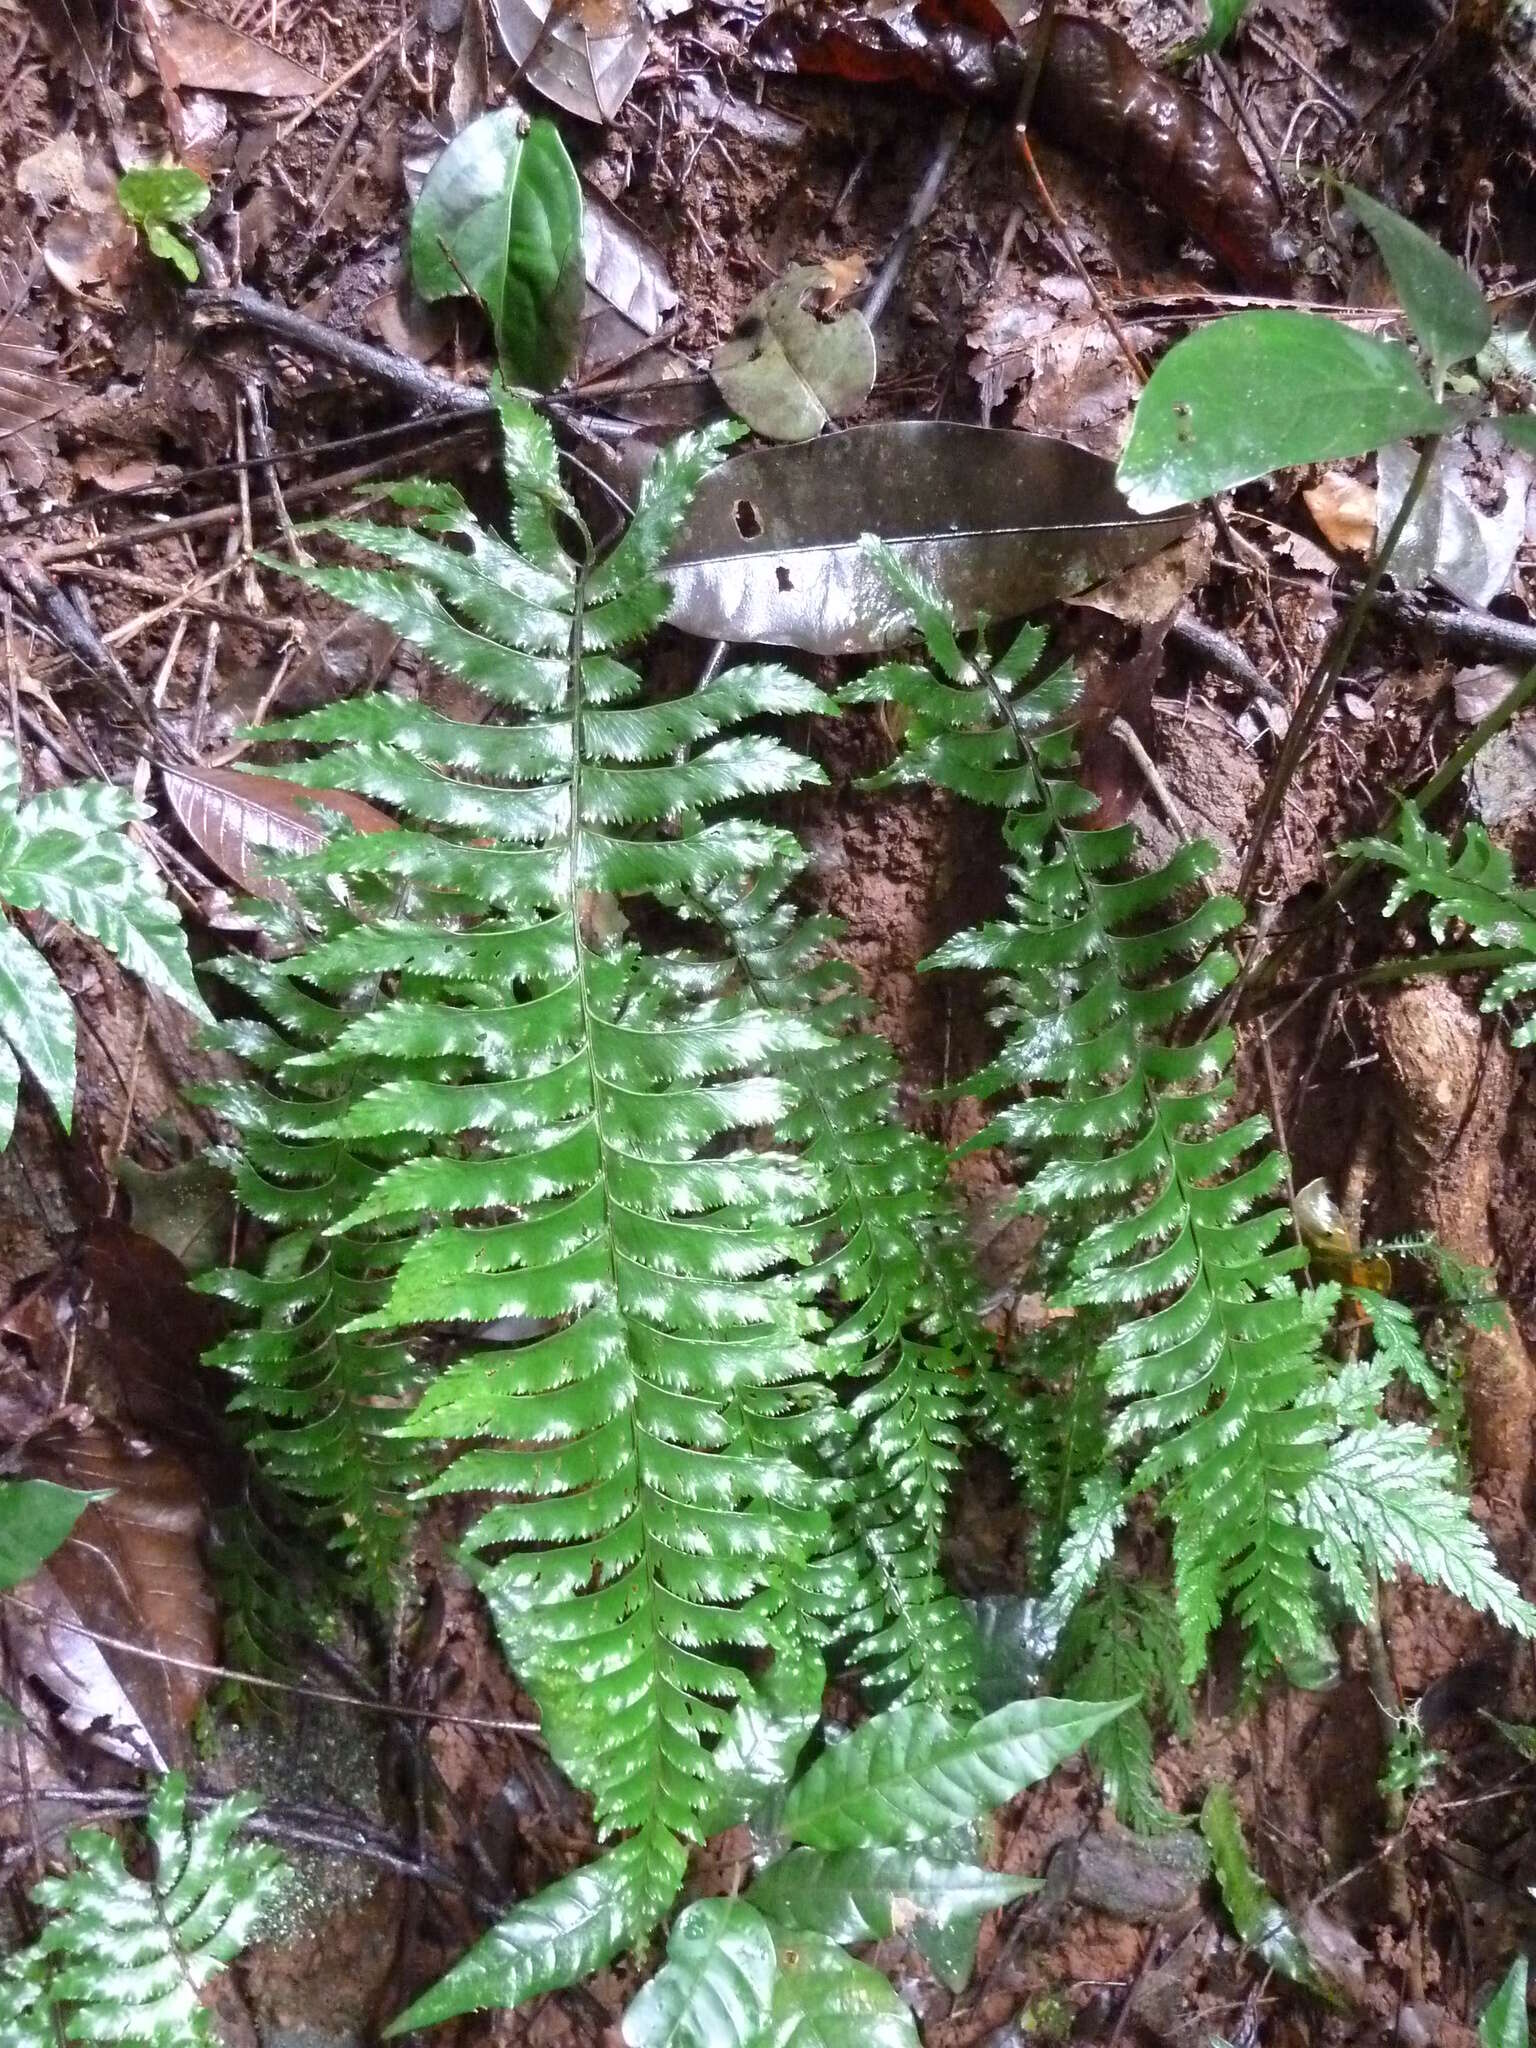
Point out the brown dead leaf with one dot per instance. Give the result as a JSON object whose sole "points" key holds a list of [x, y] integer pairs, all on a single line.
{"points": [[84, 249], [1345, 511], [241, 821], [1149, 593], [585, 55], [62, 174], [193, 49], [132, 1569], [845, 275]]}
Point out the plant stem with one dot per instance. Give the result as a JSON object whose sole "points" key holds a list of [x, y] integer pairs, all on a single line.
{"points": [[1331, 667]]}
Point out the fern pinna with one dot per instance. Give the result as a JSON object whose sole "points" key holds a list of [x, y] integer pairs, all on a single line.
{"points": [[1206, 1358], [574, 1124]]}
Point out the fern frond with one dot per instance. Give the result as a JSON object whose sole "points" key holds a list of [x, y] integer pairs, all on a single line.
{"points": [[1123, 1644], [1208, 1353], [122, 1958], [1475, 887], [579, 1177], [897, 1276]]}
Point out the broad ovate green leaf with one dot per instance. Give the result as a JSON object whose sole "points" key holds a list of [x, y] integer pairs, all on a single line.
{"points": [[752, 1761], [822, 1998], [714, 1989], [500, 217], [561, 1934], [867, 1894], [36, 1018], [1446, 310], [1261, 391], [35, 1518], [913, 1773]]}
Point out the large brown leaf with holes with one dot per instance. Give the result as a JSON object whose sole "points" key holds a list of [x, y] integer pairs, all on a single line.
{"points": [[245, 821], [773, 548]]}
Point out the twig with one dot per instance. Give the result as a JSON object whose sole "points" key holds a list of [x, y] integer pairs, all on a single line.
{"points": [[1034, 64], [1101, 305], [340, 82], [70, 628], [240, 306], [261, 435], [1314, 701], [923, 201], [308, 1692]]}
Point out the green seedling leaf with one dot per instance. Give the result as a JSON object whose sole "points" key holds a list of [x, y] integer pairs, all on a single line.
{"points": [[868, 1894], [822, 1998], [913, 1773], [560, 1935], [35, 1518], [159, 196], [1262, 1923], [1446, 310], [789, 368], [716, 1985], [500, 218], [1505, 2023], [1263, 391]]}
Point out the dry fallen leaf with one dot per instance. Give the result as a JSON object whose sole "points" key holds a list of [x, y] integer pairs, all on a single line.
{"points": [[1149, 593], [1345, 511], [241, 821], [195, 50], [584, 56], [84, 249]]}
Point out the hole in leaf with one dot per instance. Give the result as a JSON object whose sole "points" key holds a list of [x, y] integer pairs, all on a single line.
{"points": [[784, 577], [748, 525]]}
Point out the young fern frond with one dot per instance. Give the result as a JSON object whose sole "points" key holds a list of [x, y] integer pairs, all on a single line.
{"points": [[897, 1274], [1475, 887], [1123, 1644], [1208, 1350], [121, 1959], [586, 1206]]}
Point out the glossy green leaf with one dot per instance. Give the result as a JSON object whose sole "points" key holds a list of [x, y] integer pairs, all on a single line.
{"points": [[867, 1894], [560, 1935], [172, 249], [908, 1775], [1446, 310], [1262, 1923], [1261, 391], [716, 1985], [1225, 16], [822, 1998], [500, 217], [35, 1015], [752, 1761], [1505, 2022], [35, 1518]]}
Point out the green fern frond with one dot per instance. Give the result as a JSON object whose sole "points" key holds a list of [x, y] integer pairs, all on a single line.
{"points": [[1123, 1643], [1167, 1233], [897, 1277], [1475, 887], [318, 1400], [122, 1959], [579, 1191]]}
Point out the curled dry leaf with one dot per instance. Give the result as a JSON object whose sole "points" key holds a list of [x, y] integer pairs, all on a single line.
{"points": [[585, 55], [192, 49], [131, 1568], [1345, 511], [244, 821], [773, 547], [629, 293], [789, 368]]}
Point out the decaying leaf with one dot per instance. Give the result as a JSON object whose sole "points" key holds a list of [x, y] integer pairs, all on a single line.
{"points": [[131, 1568], [85, 249], [629, 294], [790, 366], [1447, 539], [585, 55], [1345, 511], [243, 821], [188, 1208], [773, 548], [192, 49]]}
